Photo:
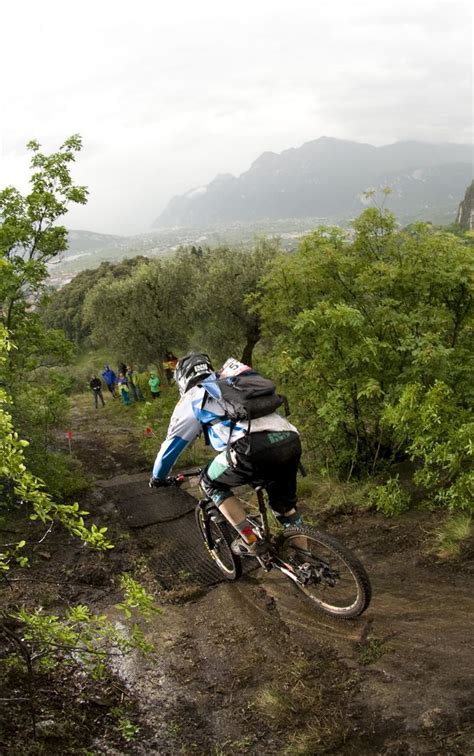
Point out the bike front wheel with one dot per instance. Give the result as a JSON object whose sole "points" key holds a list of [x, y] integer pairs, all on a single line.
{"points": [[325, 571], [217, 539]]}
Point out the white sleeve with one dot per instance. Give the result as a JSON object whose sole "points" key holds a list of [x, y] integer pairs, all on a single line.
{"points": [[183, 430]]}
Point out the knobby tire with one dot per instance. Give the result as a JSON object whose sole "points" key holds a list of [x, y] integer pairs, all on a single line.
{"points": [[220, 552], [330, 556]]}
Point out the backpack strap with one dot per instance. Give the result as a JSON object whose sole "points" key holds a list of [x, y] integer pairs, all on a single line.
{"points": [[205, 426]]}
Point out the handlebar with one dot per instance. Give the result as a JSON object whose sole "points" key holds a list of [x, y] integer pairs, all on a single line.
{"points": [[178, 480]]}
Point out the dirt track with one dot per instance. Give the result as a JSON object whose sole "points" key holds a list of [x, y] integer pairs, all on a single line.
{"points": [[249, 667]]}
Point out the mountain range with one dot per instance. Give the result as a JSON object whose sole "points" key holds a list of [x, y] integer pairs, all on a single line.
{"points": [[326, 179]]}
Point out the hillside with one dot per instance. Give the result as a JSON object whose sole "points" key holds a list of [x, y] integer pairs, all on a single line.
{"points": [[248, 667], [87, 249], [326, 178]]}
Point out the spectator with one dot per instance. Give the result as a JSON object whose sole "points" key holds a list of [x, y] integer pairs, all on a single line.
{"points": [[110, 380], [122, 368], [169, 365], [96, 388], [134, 384], [123, 389], [154, 384], [141, 382]]}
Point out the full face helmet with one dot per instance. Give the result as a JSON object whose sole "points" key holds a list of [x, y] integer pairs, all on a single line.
{"points": [[191, 370]]}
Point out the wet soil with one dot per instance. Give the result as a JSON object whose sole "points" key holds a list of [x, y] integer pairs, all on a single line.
{"points": [[250, 667]]}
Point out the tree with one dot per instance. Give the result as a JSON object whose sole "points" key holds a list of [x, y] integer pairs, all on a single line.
{"points": [[28, 237], [200, 301], [29, 240], [143, 315], [227, 281], [64, 308], [356, 322]]}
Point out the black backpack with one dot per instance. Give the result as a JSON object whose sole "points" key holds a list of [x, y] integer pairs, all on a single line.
{"points": [[244, 396]]}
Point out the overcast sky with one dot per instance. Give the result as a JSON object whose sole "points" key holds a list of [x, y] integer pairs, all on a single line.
{"points": [[168, 94]]}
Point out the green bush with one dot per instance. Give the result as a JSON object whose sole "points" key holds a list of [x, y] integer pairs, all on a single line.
{"points": [[351, 323], [63, 475], [437, 431], [390, 498]]}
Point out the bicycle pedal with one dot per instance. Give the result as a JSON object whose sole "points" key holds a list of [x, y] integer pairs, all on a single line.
{"points": [[240, 548]]}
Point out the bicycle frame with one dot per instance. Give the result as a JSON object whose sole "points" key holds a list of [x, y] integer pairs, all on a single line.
{"points": [[267, 562], [310, 571]]}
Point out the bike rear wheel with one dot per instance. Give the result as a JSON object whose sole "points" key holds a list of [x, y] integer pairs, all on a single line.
{"points": [[327, 573], [218, 543]]}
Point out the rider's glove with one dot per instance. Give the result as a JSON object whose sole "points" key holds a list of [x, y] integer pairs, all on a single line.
{"points": [[157, 482]]}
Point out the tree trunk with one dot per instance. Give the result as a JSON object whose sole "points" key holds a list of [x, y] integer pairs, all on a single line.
{"points": [[253, 337]]}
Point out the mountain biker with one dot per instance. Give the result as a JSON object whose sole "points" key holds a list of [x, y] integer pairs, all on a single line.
{"points": [[267, 453]]}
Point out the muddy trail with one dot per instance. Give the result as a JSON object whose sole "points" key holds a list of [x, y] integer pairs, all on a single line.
{"points": [[250, 667]]}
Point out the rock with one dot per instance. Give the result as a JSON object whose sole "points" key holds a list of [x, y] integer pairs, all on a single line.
{"points": [[432, 718], [465, 217], [108, 508], [49, 728], [44, 554]]}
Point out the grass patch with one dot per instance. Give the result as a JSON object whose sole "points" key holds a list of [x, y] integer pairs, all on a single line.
{"points": [[307, 705], [450, 538], [323, 495], [63, 475], [372, 650]]}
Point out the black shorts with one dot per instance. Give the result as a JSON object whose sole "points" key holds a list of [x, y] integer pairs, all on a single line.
{"points": [[269, 459]]}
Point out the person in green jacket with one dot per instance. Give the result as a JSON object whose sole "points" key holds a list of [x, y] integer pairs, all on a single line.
{"points": [[154, 384]]}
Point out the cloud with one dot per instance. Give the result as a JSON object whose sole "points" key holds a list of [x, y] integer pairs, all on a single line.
{"points": [[166, 97]]}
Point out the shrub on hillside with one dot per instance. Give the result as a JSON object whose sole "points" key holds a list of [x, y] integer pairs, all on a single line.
{"points": [[354, 324]]}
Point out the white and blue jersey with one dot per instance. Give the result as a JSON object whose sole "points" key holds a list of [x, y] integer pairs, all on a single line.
{"points": [[192, 412]]}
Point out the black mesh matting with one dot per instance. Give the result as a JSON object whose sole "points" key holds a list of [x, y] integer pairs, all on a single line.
{"points": [[141, 506], [165, 526], [180, 555]]}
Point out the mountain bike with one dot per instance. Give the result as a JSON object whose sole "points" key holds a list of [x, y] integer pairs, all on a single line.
{"points": [[326, 573]]}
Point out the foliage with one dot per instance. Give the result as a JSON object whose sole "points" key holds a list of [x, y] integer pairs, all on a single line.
{"points": [[128, 729], [325, 494], [79, 637], [29, 241], [82, 640], [64, 308], [190, 301], [372, 650], [136, 597], [227, 282], [142, 315], [354, 320], [391, 499], [28, 489], [437, 430], [28, 237]]}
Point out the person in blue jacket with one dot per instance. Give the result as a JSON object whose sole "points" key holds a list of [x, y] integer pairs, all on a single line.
{"points": [[269, 451], [110, 380]]}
